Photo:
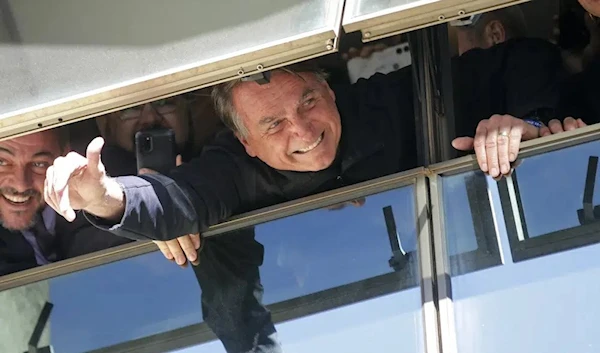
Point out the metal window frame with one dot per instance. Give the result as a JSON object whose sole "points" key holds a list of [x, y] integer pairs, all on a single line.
{"points": [[522, 246], [281, 312], [416, 15], [209, 72], [287, 209]]}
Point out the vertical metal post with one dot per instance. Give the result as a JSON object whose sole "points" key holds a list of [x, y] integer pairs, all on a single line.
{"points": [[427, 267], [442, 268]]}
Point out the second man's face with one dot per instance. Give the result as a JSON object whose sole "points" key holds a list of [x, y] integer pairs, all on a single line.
{"points": [[168, 113]]}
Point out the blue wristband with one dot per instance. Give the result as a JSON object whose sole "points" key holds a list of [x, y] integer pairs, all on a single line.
{"points": [[534, 122]]}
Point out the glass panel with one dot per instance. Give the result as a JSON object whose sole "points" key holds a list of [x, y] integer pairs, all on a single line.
{"points": [[551, 194], [547, 304], [366, 7], [468, 223], [56, 50], [324, 269]]}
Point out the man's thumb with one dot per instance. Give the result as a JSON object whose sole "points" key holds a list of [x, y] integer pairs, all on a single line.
{"points": [[93, 152], [463, 143]]}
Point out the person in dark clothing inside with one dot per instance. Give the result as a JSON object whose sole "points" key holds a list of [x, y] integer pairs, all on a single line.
{"points": [[289, 138], [501, 71], [580, 92], [31, 234]]}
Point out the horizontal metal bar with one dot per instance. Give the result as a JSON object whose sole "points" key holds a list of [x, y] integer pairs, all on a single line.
{"points": [[208, 73], [246, 220], [528, 148], [292, 309], [415, 15], [310, 203], [76, 264]]}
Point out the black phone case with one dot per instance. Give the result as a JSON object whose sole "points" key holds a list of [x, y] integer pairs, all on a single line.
{"points": [[156, 150]]}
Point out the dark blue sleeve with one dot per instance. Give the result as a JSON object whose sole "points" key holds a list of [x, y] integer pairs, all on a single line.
{"points": [[193, 197]]}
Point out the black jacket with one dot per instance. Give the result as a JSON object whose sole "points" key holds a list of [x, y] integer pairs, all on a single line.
{"points": [[378, 138], [72, 239]]}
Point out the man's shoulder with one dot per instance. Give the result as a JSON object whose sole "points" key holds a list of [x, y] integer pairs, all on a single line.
{"points": [[526, 51]]}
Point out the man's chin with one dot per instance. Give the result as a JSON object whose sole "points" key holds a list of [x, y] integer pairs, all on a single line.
{"points": [[17, 222], [17, 226]]}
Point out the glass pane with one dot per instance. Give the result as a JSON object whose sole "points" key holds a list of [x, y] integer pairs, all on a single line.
{"points": [[324, 269], [366, 7], [59, 49], [468, 224], [551, 194], [546, 304]]}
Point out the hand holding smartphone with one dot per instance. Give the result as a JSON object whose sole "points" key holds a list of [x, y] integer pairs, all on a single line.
{"points": [[156, 149]]}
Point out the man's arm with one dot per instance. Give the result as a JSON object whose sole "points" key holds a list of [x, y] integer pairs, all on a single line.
{"points": [[193, 197]]}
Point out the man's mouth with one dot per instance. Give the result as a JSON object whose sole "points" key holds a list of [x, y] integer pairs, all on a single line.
{"points": [[312, 146], [17, 199]]}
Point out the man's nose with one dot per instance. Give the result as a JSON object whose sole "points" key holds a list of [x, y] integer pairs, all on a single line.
{"points": [[302, 127], [22, 179], [149, 116]]}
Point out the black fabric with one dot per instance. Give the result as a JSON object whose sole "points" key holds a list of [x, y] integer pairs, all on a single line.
{"points": [[581, 93], [517, 77], [71, 239], [16, 254], [45, 240]]}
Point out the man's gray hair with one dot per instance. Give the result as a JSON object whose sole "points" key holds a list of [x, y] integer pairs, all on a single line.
{"points": [[512, 19], [222, 95]]}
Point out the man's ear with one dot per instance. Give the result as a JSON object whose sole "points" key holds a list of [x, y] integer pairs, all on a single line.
{"points": [[495, 33], [244, 141]]}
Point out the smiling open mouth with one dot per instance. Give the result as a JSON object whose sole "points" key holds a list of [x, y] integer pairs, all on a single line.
{"points": [[313, 146], [17, 199]]}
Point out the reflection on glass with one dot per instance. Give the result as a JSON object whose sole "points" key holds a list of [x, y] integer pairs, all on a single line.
{"points": [[468, 224], [65, 48], [545, 304], [366, 7], [550, 188], [327, 278]]}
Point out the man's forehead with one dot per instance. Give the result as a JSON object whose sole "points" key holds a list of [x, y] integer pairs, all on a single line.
{"points": [[280, 81], [40, 141]]}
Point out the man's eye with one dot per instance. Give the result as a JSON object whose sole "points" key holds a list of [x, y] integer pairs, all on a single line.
{"points": [[309, 102], [41, 164], [274, 125], [3, 162]]}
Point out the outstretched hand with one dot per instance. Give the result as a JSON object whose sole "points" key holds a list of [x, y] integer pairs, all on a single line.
{"points": [[75, 182]]}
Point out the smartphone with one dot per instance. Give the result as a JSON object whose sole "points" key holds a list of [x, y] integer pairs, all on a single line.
{"points": [[156, 149]]}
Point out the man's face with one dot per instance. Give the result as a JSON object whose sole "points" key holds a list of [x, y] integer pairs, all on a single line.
{"points": [[168, 113], [292, 122], [23, 164], [493, 33], [591, 6]]}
